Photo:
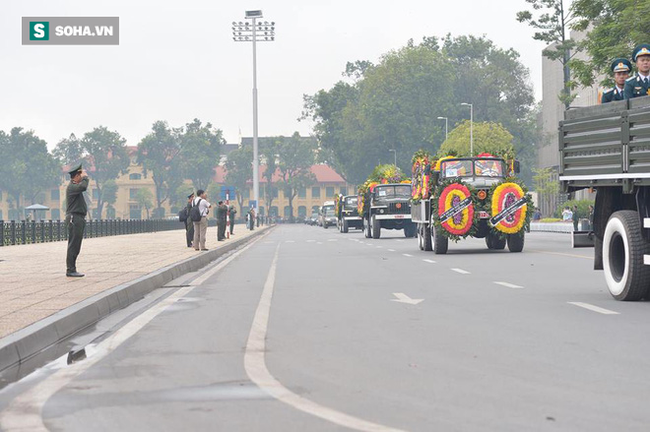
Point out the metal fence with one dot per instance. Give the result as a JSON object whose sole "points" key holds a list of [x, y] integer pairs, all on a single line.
{"points": [[23, 232]]}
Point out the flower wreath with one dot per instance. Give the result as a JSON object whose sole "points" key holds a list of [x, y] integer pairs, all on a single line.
{"points": [[508, 193], [449, 192]]}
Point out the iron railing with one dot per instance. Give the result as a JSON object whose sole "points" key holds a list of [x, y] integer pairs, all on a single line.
{"points": [[24, 232]]}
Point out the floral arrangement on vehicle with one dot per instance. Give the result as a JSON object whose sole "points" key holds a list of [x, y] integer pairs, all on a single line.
{"points": [[382, 174], [509, 201], [421, 178], [455, 209]]}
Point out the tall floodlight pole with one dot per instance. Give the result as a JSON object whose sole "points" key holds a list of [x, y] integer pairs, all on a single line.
{"points": [[446, 126], [471, 127], [255, 32], [394, 151]]}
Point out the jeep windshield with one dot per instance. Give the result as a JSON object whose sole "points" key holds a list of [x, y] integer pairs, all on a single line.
{"points": [[470, 168], [393, 192], [351, 202]]}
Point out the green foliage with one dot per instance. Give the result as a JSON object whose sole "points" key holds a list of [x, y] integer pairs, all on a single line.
{"points": [[545, 184], [145, 199], [200, 150], [394, 104], [239, 171], [27, 167], [552, 20], [109, 192], [489, 137], [159, 153], [69, 151], [583, 208], [269, 152], [296, 157], [614, 28]]}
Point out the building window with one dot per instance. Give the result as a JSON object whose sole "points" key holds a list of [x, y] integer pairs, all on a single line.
{"points": [[275, 193], [55, 195], [287, 212], [135, 176], [273, 211], [314, 209], [302, 211], [56, 214], [315, 192], [302, 193], [110, 212], [135, 212], [344, 190], [133, 194], [329, 191]]}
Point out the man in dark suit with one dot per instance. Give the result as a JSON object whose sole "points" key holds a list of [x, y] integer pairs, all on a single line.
{"points": [[638, 85], [621, 69]]}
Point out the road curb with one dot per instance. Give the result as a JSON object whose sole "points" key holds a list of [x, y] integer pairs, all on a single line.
{"points": [[18, 347]]}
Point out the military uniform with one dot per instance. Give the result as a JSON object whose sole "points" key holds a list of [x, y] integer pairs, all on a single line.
{"points": [[616, 93], [233, 213], [638, 86], [189, 224], [75, 219], [222, 211]]}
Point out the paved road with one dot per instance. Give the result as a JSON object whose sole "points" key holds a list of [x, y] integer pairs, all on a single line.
{"points": [[500, 342]]}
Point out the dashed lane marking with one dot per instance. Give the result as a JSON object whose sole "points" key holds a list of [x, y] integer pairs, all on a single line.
{"points": [[407, 255], [594, 308], [391, 250], [561, 254], [290, 241], [429, 261], [461, 271], [311, 241], [508, 285], [379, 247], [319, 242]]}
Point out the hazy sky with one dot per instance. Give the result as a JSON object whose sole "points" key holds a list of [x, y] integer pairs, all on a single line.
{"points": [[177, 60]]}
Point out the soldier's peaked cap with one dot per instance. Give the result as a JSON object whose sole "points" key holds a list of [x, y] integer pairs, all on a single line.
{"points": [[74, 170], [641, 50], [621, 65]]}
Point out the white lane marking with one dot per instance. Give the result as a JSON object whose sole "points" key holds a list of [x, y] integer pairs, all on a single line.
{"points": [[319, 242], [400, 240], [311, 241], [391, 250], [461, 271], [290, 241], [379, 247], [403, 298], [332, 240], [429, 261], [25, 411], [508, 285], [594, 308], [257, 371], [407, 255], [268, 242]]}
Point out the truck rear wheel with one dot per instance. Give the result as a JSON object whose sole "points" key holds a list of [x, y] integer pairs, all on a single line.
{"points": [[427, 244], [366, 227], [421, 236], [344, 227], [376, 228], [495, 242], [623, 249], [516, 241], [410, 230], [440, 242]]}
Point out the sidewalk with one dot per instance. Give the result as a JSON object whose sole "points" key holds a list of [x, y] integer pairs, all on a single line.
{"points": [[33, 284]]}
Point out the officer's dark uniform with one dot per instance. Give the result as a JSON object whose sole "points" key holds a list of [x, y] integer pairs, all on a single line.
{"points": [[617, 94], [636, 86], [222, 210], [233, 213], [189, 223], [75, 218]]}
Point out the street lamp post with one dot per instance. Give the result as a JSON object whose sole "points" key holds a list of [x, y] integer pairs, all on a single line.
{"points": [[394, 151], [255, 32], [471, 127], [446, 126]]}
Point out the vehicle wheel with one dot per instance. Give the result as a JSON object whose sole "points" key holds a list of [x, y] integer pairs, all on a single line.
{"points": [[325, 225], [516, 242], [623, 249], [426, 238], [366, 228], [495, 242], [440, 242], [344, 227], [420, 236], [410, 230], [376, 228]]}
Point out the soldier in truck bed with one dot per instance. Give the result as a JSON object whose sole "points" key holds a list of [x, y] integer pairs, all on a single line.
{"points": [[638, 85], [621, 69]]}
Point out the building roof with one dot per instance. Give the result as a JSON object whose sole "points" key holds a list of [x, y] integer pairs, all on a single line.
{"points": [[323, 173]]}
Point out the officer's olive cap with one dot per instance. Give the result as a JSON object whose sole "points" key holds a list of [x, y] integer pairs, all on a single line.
{"points": [[621, 65], [641, 50], [73, 171]]}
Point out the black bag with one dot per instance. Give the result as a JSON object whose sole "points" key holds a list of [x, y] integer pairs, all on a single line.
{"points": [[195, 213], [183, 215]]}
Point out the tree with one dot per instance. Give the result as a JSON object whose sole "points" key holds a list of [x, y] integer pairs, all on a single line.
{"points": [[553, 23], [158, 153], [489, 137], [106, 158], [145, 199], [546, 186], [296, 159], [614, 28], [239, 172], [27, 166], [109, 194], [269, 152], [69, 151], [200, 150]]}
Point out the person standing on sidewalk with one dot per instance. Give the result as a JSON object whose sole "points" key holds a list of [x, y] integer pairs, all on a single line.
{"points": [[222, 211], [189, 225], [75, 217], [233, 213], [575, 217], [201, 226]]}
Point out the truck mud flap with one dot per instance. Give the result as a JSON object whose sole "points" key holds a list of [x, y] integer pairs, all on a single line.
{"points": [[580, 239]]}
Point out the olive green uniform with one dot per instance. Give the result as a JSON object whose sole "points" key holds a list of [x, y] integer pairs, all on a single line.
{"points": [[75, 218], [233, 213], [222, 211]]}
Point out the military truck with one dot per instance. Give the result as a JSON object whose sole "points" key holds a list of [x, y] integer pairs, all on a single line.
{"points": [[460, 197], [384, 202], [347, 213], [606, 148]]}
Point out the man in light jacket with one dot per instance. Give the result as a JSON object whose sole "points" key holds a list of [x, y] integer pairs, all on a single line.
{"points": [[201, 227]]}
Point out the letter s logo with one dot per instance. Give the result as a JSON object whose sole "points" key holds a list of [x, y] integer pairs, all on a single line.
{"points": [[39, 31]]}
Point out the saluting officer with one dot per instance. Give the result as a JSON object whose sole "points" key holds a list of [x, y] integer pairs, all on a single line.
{"points": [[75, 217], [621, 69], [638, 85]]}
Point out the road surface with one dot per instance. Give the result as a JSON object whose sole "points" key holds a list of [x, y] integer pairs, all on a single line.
{"points": [[309, 329]]}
